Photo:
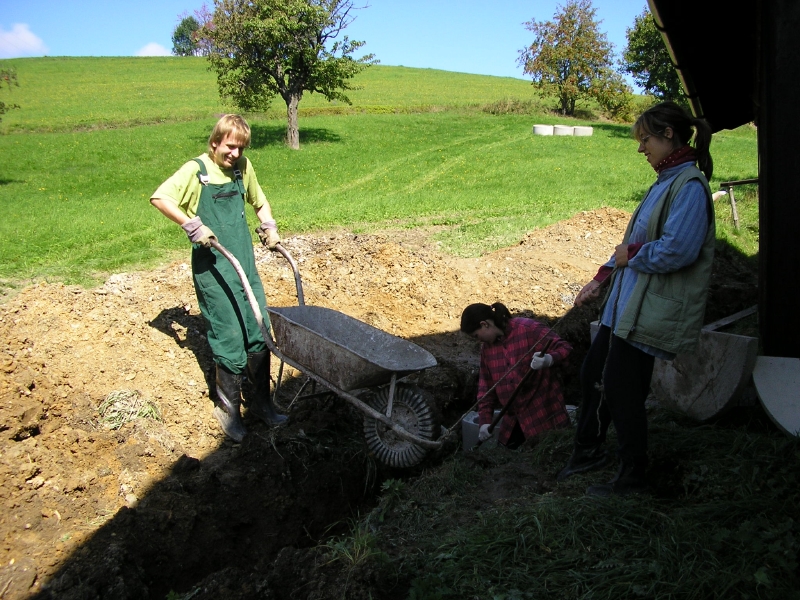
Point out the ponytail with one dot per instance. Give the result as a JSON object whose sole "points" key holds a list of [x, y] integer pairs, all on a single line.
{"points": [[702, 144], [475, 313], [501, 315]]}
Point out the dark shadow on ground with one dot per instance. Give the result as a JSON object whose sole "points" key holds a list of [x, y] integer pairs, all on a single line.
{"points": [[236, 509], [615, 131], [262, 135], [188, 331]]}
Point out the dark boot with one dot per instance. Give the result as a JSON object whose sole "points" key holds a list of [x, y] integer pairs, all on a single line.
{"points": [[629, 479], [583, 460], [229, 399], [258, 374]]}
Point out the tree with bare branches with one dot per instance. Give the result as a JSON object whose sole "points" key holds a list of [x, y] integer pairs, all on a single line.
{"points": [[263, 48]]}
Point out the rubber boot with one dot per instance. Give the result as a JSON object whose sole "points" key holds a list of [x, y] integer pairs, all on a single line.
{"points": [[229, 400], [630, 479], [258, 374], [583, 460]]}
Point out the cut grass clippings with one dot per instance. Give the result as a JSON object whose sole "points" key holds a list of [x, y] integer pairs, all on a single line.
{"points": [[724, 522], [125, 406]]}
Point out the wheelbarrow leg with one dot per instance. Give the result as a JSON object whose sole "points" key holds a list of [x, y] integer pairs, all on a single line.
{"points": [[278, 382], [300, 391], [390, 401]]}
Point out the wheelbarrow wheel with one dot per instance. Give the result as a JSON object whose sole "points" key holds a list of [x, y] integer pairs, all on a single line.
{"points": [[411, 411]]}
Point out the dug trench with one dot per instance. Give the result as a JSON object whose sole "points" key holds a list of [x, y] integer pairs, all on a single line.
{"points": [[92, 508]]}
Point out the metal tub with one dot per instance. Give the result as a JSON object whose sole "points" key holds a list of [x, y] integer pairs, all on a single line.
{"points": [[346, 352]]}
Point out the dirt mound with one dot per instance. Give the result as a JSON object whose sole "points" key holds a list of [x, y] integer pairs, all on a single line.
{"points": [[91, 511]]}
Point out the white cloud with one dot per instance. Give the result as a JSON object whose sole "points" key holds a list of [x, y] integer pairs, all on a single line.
{"points": [[20, 41], [153, 49]]}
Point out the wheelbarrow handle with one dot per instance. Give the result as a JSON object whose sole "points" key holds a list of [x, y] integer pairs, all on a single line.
{"points": [[247, 289], [297, 282]]}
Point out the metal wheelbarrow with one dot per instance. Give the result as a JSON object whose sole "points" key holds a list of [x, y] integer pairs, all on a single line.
{"points": [[348, 357]]}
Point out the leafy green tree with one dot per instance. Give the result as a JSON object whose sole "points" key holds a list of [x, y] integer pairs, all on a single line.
{"points": [[614, 95], [183, 38], [9, 78], [571, 59], [264, 48], [647, 60]]}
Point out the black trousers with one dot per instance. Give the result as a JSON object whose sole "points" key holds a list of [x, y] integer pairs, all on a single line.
{"points": [[625, 372]]}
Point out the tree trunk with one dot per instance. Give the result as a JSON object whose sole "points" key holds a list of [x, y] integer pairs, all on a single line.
{"points": [[564, 102], [292, 129]]}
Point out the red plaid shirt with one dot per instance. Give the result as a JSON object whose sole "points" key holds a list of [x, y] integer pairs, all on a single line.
{"points": [[539, 405]]}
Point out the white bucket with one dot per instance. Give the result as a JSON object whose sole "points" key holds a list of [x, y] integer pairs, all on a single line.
{"points": [[581, 130], [542, 130], [594, 327], [572, 411], [470, 428], [563, 129]]}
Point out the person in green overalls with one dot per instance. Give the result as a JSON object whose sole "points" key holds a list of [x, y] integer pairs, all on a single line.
{"points": [[206, 197]]}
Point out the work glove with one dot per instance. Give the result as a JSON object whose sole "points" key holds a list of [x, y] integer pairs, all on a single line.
{"points": [[198, 233], [268, 234], [541, 361], [717, 195], [483, 433]]}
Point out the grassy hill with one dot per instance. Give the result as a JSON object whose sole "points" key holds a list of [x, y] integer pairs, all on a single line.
{"points": [[73, 94]]}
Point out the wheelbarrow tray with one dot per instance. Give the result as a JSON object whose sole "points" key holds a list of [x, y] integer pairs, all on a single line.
{"points": [[342, 350]]}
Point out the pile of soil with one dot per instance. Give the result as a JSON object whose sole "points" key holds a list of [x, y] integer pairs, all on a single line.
{"points": [[160, 505]]}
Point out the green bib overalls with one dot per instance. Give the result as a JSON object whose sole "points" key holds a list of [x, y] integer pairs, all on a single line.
{"points": [[233, 331]]}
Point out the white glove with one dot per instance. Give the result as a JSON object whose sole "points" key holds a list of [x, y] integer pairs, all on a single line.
{"points": [[541, 361], [483, 433]]}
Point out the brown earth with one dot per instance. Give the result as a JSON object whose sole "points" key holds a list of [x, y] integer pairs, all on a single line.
{"points": [[156, 506]]}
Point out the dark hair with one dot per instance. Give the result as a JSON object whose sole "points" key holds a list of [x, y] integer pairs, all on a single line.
{"points": [[657, 118], [475, 313]]}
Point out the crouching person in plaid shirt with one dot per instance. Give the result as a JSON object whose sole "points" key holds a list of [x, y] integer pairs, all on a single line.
{"points": [[539, 404]]}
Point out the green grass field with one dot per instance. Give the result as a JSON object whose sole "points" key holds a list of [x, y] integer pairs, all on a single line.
{"points": [[69, 94], [95, 137]]}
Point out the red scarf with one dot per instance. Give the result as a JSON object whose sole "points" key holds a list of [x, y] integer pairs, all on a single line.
{"points": [[680, 156]]}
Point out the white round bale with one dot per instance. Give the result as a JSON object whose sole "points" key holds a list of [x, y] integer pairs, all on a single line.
{"points": [[581, 130], [542, 130], [562, 129]]}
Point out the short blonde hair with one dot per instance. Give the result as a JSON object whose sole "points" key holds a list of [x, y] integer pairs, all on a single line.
{"points": [[233, 125]]}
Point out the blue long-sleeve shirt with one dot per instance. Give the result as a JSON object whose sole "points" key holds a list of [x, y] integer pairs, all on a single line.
{"points": [[679, 245]]}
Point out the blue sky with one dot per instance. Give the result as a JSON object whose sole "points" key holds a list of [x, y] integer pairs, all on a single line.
{"points": [[469, 36]]}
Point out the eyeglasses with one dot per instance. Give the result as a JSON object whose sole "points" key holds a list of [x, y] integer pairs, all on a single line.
{"points": [[643, 140]]}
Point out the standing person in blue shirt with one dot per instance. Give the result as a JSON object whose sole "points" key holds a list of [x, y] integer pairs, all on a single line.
{"points": [[654, 306], [207, 198]]}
